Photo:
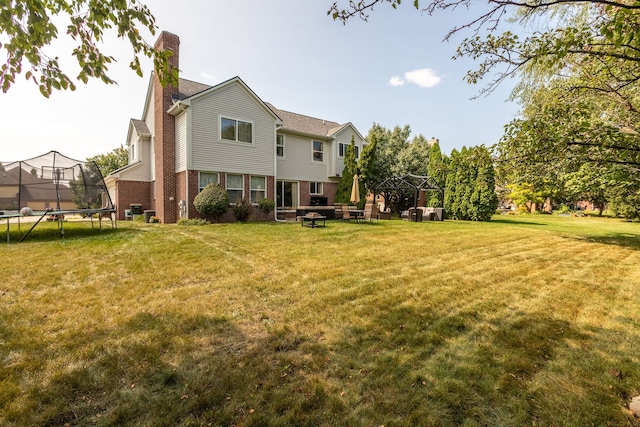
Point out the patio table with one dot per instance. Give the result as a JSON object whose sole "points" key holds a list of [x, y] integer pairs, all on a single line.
{"points": [[312, 220]]}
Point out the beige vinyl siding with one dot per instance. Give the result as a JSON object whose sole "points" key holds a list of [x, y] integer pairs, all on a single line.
{"points": [[298, 164], [181, 142], [208, 152], [149, 118], [142, 170], [344, 136], [149, 115]]}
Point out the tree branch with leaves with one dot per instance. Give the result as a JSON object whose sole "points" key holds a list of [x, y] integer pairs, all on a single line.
{"points": [[28, 28]]}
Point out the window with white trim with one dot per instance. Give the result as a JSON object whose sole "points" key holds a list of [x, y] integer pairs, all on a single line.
{"points": [[280, 146], [315, 188], [235, 187], [236, 130], [134, 152], [342, 150], [317, 151], [258, 188], [206, 178]]}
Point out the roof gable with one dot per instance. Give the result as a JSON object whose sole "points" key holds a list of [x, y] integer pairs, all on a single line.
{"points": [[300, 123], [204, 90]]}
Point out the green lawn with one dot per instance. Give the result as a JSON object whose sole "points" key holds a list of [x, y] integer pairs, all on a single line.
{"points": [[527, 320]]}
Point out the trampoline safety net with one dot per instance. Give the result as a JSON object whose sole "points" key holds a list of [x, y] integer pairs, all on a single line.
{"points": [[53, 182]]}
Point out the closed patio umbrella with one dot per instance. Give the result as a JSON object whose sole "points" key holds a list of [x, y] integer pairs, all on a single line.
{"points": [[355, 190]]}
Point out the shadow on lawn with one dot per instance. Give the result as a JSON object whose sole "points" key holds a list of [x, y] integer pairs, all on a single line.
{"points": [[404, 367], [513, 221], [420, 368], [175, 370], [624, 240]]}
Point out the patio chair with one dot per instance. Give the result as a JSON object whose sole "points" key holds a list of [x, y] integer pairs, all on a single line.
{"points": [[345, 212], [370, 214], [338, 210], [384, 213]]}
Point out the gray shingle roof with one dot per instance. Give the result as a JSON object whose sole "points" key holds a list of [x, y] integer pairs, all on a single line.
{"points": [[293, 122], [189, 88], [140, 126], [304, 124]]}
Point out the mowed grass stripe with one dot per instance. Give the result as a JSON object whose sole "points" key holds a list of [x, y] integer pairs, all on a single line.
{"points": [[528, 320]]}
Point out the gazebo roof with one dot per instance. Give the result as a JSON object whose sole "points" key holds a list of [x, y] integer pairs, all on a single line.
{"points": [[408, 182]]}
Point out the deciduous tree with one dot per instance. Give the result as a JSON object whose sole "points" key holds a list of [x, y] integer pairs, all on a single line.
{"points": [[111, 161]]}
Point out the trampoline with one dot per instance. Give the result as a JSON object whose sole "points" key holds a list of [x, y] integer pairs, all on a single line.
{"points": [[52, 186]]}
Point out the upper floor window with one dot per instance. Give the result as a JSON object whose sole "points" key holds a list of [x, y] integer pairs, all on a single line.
{"points": [[206, 178], [258, 188], [318, 151], [236, 130], [280, 146], [315, 188], [235, 187], [134, 152], [342, 150]]}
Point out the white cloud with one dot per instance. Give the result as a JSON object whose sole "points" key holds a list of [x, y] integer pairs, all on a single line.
{"points": [[425, 77], [396, 81]]}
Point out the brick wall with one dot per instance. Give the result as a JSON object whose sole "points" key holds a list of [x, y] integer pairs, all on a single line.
{"points": [[165, 137], [329, 190], [129, 192], [257, 215]]}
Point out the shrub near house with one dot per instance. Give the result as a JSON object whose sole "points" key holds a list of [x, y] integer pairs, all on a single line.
{"points": [[213, 201]]}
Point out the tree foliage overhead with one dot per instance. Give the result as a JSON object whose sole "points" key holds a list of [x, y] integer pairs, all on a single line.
{"points": [[571, 31], [28, 26]]}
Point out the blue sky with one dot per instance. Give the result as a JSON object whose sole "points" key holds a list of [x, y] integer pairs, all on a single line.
{"points": [[393, 70]]}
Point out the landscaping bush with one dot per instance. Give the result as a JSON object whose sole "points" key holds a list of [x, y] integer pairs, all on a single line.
{"points": [[212, 201], [242, 209], [564, 210], [266, 205]]}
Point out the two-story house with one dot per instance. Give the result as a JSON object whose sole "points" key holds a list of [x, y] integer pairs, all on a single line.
{"points": [[196, 134]]}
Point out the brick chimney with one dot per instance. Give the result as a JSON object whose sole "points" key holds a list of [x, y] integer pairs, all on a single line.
{"points": [[164, 143]]}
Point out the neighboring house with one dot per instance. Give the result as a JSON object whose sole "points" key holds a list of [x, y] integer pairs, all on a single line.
{"points": [[20, 186], [197, 134]]}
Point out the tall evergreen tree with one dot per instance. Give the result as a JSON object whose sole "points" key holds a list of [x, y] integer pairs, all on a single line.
{"points": [[343, 194], [436, 170], [451, 207], [470, 186], [484, 200], [370, 175]]}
